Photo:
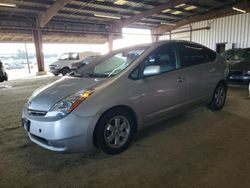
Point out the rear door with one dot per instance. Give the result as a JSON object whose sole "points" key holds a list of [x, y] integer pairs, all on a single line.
{"points": [[201, 70], [166, 92]]}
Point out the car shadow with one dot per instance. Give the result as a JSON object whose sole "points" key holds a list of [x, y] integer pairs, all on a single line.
{"points": [[155, 128]]}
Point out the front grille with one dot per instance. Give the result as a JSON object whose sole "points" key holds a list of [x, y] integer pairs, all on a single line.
{"points": [[235, 72], [40, 139], [52, 66], [36, 112]]}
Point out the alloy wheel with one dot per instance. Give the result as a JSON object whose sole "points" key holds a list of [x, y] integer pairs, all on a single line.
{"points": [[220, 96], [117, 131]]}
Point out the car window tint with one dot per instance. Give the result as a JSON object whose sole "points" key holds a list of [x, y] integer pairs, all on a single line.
{"points": [[164, 56], [192, 55], [246, 56], [74, 56], [135, 74], [211, 55]]}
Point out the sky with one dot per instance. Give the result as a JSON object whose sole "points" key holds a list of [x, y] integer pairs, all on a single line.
{"points": [[130, 37]]}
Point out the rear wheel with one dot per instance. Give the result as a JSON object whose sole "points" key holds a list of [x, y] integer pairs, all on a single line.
{"points": [[219, 97], [65, 71], [115, 131], [56, 74]]}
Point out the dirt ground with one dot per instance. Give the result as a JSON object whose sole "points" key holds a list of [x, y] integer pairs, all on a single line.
{"points": [[197, 149]]}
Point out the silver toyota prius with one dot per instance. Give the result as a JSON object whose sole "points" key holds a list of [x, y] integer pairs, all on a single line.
{"points": [[103, 104]]}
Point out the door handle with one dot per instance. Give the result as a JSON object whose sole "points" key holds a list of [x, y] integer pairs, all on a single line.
{"points": [[212, 70], [180, 79]]}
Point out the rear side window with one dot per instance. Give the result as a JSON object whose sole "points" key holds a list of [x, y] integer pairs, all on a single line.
{"points": [[192, 55], [211, 55]]}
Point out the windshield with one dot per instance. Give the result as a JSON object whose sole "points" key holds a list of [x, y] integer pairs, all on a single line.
{"points": [[111, 64], [64, 56], [69, 56]]}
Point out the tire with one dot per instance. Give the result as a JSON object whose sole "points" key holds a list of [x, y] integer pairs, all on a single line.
{"points": [[65, 71], [6, 77], [219, 97], [115, 131], [56, 74]]}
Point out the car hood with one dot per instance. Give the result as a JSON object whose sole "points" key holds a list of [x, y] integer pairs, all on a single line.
{"points": [[45, 97], [57, 62], [243, 65]]}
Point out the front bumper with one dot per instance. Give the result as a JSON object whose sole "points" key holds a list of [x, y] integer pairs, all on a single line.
{"points": [[70, 134], [55, 71], [239, 79]]}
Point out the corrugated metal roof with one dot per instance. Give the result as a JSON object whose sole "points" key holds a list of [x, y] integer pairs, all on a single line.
{"points": [[83, 12]]}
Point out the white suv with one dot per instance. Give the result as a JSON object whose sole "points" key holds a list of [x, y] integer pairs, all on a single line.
{"points": [[64, 64]]}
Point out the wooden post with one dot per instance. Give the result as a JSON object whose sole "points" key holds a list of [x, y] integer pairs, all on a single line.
{"points": [[37, 37], [154, 36]]}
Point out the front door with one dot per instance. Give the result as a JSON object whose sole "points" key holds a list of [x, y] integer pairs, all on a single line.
{"points": [[166, 92]]}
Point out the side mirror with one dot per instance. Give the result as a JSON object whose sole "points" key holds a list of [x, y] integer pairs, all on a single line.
{"points": [[152, 70]]}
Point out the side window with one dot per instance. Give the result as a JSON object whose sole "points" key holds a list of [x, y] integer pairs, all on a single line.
{"points": [[74, 56], [211, 55], [135, 74], [164, 56], [246, 56], [192, 55]]}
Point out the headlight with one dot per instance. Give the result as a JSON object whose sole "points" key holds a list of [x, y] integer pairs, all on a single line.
{"points": [[248, 72], [69, 103], [57, 67]]}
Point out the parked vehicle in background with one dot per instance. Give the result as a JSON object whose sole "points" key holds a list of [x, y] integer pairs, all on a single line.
{"points": [[229, 53], [107, 101], [84, 62], [3, 74], [249, 89], [14, 65], [239, 65], [64, 64]]}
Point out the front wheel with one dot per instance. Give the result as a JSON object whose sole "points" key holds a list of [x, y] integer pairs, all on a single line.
{"points": [[115, 131], [219, 98], [65, 71], [6, 77]]}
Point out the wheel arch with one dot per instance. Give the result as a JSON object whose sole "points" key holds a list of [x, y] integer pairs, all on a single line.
{"points": [[224, 82], [65, 67]]}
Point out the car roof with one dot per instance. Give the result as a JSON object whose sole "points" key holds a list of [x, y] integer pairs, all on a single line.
{"points": [[156, 44]]}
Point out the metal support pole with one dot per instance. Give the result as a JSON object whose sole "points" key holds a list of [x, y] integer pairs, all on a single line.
{"points": [[170, 35], [27, 56], [110, 42], [37, 37], [155, 37], [191, 31]]}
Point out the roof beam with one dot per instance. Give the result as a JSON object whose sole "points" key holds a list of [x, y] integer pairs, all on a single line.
{"points": [[155, 10], [50, 12], [205, 16]]}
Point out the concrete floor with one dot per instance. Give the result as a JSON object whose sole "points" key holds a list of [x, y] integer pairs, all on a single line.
{"points": [[197, 149]]}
